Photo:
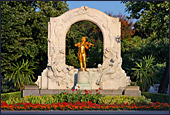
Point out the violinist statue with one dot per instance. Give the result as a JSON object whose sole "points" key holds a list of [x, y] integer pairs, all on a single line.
{"points": [[81, 53]]}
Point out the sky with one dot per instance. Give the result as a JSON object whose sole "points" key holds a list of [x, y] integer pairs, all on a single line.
{"points": [[114, 7]]}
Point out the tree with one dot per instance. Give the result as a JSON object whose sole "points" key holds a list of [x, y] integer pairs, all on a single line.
{"points": [[153, 15], [24, 32], [138, 48], [154, 22], [165, 80]]}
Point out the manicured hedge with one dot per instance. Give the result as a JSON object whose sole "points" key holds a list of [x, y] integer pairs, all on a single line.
{"points": [[156, 97], [6, 96]]}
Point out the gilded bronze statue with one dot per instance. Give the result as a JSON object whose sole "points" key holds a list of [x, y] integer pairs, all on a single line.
{"points": [[81, 53]]}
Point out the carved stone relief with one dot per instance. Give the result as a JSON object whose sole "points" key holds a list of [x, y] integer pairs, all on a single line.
{"points": [[58, 75]]}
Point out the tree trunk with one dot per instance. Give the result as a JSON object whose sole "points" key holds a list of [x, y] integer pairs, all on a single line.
{"points": [[20, 86], [165, 80]]}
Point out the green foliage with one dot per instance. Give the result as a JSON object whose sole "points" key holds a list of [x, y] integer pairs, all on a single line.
{"points": [[14, 100], [160, 68], [132, 51], [106, 100], [154, 17], [123, 100], [11, 95], [45, 99], [156, 97], [153, 23], [22, 73], [145, 72], [55, 98], [8, 86], [93, 35], [32, 83], [24, 32], [72, 58], [137, 48], [132, 84], [142, 99], [78, 96]]}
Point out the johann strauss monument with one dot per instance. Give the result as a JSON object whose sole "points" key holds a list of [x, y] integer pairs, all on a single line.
{"points": [[108, 76]]}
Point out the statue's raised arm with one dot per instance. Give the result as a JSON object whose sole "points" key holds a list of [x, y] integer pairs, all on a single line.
{"points": [[78, 44], [88, 45]]}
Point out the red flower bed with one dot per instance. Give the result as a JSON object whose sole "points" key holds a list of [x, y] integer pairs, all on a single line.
{"points": [[83, 106]]}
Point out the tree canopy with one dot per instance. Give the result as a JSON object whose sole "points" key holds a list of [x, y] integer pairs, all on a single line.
{"points": [[152, 25], [153, 17], [24, 32]]}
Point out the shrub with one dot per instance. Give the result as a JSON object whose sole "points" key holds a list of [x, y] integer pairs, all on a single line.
{"points": [[123, 100], [55, 98], [14, 100], [22, 73], [144, 72], [132, 84], [6, 96], [7, 86], [162, 98], [146, 98]]}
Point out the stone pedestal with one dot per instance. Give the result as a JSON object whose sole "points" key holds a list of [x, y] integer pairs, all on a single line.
{"points": [[83, 81], [132, 91], [129, 91], [31, 90]]}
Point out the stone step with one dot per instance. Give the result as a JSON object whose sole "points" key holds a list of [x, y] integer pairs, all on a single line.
{"points": [[133, 92]]}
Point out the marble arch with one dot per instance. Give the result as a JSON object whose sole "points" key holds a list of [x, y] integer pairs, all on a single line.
{"points": [[108, 75]]}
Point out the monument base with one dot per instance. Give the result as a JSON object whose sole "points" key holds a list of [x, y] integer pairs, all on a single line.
{"points": [[83, 86], [132, 91], [83, 81], [129, 91]]}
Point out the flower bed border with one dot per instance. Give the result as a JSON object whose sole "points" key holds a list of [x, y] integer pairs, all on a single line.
{"points": [[83, 106]]}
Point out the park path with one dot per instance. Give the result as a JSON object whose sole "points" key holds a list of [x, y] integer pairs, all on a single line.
{"points": [[84, 112]]}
